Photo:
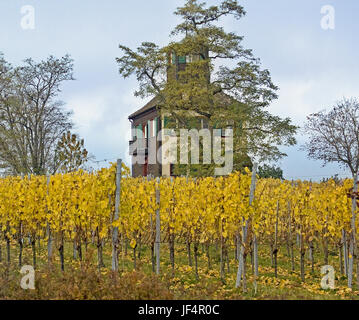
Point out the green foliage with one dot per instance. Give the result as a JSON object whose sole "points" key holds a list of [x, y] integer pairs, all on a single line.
{"points": [[71, 154], [236, 93], [267, 171]]}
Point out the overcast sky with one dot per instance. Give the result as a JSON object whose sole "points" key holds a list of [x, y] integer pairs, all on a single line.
{"points": [[313, 67]]}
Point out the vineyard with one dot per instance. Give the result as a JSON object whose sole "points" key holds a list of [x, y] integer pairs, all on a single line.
{"points": [[207, 227]]}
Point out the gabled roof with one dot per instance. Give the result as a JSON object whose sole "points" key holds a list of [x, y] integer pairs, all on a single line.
{"points": [[151, 104], [222, 98]]}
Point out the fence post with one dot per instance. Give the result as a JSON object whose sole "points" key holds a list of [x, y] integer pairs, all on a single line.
{"points": [[49, 239], [352, 235], [117, 215], [345, 251], [241, 262], [158, 227]]}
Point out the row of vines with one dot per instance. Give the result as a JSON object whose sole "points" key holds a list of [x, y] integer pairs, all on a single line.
{"points": [[208, 212]]}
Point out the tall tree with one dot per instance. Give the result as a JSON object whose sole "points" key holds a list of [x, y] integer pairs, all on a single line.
{"points": [[32, 120], [209, 73], [71, 153], [334, 137]]}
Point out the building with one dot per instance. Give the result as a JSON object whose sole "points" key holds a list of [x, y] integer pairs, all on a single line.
{"points": [[149, 121]]}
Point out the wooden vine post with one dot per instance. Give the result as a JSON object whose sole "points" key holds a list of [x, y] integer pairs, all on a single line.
{"points": [[48, 229], [241, 264], [117, 215], [158, 227], [275, 250], [352, 239]]}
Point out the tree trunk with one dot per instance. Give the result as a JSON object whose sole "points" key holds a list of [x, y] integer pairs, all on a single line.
{"points": [[227, 260], [351, 262], [196, 259], [252, 259], [99, 244], [302, 257], [240, 267], [33, 246], [74, 249], [325, 251], [126, 246], [86, 247], [271, 255], [292, 256], [20, 252], [122, 254], [222, 262], [189, 252], [290, 240], [100, 255], [244, 273], [288, 247], [134, 258], [311, 254], [20, 245], [340, 245], [49, 243], [139, 247], [236, 248], [79, 248], [61, 251], [172, 252], [275, 251], [275, 263], [208, 256], [255, 258], [153, 257], [8, 249]]}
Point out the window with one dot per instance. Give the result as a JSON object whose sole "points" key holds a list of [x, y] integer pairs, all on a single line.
{"points": [[153, 127], [145, 129], [149, 129], [139, 132], [204, 124], [182, 59], [165, 122], [133, 133]]}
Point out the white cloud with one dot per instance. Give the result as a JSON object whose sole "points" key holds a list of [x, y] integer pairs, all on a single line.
{"points": [[299, 97], [101, 118]]}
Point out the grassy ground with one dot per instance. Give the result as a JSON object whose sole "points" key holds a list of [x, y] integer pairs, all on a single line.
{"points": [[83, 280]]}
